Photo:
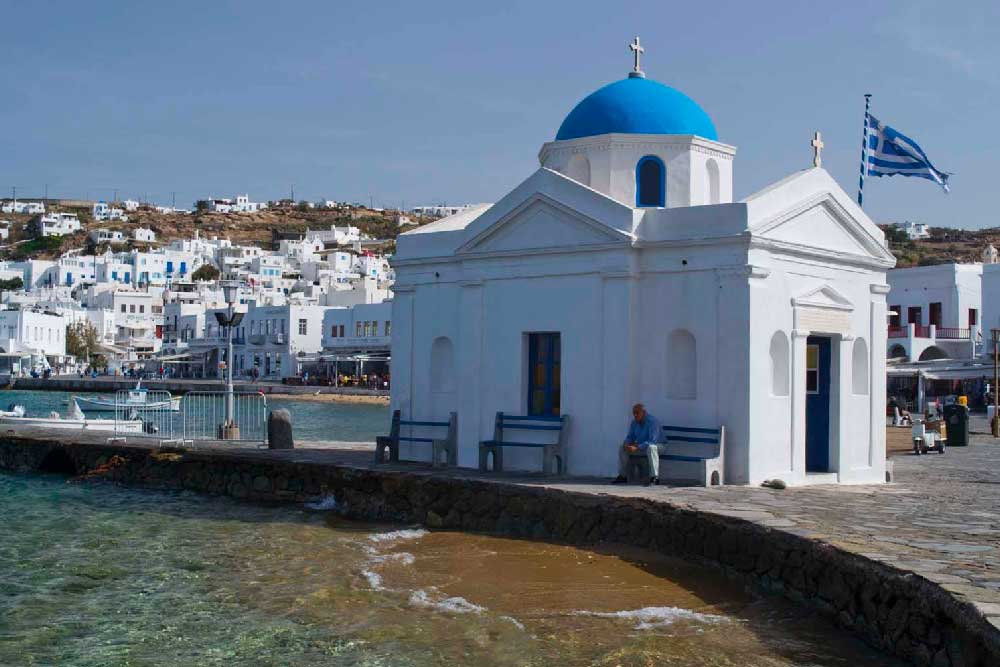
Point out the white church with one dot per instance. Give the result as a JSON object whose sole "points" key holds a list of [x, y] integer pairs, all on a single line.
{"points": [[622, 271]]}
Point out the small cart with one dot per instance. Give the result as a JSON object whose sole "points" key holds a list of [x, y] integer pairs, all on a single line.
{"points": [[928, 436]]}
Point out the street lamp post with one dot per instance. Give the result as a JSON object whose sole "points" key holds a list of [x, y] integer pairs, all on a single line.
{"points": [[229, 429], [995, 422]]}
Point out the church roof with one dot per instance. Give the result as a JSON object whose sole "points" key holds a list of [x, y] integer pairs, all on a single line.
{"points": [[636, 105]]}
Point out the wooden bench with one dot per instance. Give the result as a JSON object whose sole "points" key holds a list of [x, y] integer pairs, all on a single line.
{"points": [[553, 459], [444, 451], [686, 453]]}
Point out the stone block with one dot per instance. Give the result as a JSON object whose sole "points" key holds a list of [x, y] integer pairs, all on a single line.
{"points": [[279, 430]]}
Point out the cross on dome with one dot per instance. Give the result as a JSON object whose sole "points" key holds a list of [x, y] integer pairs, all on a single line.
{"points": [[817, 144], [637, 50]]}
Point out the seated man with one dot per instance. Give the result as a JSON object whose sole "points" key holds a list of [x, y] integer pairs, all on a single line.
{"points": [[643, 434]]}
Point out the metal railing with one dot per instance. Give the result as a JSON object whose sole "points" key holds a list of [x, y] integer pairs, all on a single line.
{"points": [[953, 333], [145, 413], [921, 331], [203, 414], [898, 332]]}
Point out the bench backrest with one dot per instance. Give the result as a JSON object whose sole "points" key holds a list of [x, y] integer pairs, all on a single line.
{"points": [[694, 441], [397, 422], [541, 424]]}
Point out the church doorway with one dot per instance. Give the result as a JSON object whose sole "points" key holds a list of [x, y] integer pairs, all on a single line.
{"points": [[818, 404]]}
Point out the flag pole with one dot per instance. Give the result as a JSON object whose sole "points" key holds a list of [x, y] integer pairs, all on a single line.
{"points": [[864, 151]]}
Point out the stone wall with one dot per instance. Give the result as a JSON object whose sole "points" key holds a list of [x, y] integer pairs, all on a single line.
{"points": [[891, 609]]}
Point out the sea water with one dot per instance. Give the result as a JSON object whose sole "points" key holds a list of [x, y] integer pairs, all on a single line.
{"points": [[96, 575], [313, 421]]}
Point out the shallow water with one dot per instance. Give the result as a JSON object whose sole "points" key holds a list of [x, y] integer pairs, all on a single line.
{"points": [[94, 575], [312, 421]]}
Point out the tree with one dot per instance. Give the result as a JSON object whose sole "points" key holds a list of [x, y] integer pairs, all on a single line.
{"points": [[205, 272], [201, 205], [82, 339], [11, 284]]}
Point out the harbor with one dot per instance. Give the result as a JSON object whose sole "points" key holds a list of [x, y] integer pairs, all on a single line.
{"points": [[907, 567]]}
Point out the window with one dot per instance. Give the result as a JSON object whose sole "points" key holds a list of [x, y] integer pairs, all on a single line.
{"points": [[812, 369], [895, 320], [682, 365], [859, 368], [333, 331], [544, 370], [131, 308], [934, 314], [123, 307], [142, 308], [388, 328], [341, 330], [650, 182], [973, 317], [303, 327], [357, 329], [712, 186], [914, 315], [779, 364]]}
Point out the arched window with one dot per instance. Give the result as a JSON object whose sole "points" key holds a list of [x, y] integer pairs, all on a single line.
{"points": [[712, 184], [442, 371], [859, 367], [578, 168], [779, 364], [682, 365], [650, 182]]}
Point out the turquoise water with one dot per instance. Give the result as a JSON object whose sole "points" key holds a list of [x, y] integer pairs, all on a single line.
{"points": [[94, 575], [313, 421]]}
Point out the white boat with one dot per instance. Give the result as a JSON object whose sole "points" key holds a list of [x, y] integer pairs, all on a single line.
{"points": [[138, 399], [74, 420]]}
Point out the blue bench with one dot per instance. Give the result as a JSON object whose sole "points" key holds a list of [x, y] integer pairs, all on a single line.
{"points": [[687, 453], [553, 458], [444, 451]]}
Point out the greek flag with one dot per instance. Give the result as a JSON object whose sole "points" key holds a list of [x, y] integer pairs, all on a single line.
{"points": [[889, 153]]}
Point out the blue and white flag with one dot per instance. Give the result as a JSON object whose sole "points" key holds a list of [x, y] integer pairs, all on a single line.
{"points": [[890, 152]]}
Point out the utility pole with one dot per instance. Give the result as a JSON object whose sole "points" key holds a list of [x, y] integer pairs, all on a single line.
{"points": [[293, 193], [173, 199]]}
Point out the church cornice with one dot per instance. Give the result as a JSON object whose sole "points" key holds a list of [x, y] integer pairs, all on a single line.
{"points": [[645, 142]]}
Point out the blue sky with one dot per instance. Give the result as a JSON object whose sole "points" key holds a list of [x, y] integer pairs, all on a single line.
{"points": [[450, 101]]}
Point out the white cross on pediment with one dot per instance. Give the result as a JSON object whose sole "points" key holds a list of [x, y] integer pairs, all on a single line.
{"points": [[817, 144]]}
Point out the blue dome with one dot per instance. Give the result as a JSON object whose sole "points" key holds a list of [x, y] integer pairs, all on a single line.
{"points": [[636, 106]]}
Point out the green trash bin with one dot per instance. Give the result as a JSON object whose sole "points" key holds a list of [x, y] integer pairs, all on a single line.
{"points": [[957, 418]]}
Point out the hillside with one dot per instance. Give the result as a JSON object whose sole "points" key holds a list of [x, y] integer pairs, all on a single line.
{"points": [[945, 245], [253, 228]]}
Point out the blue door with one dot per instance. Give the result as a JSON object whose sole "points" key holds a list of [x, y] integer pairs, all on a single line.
{"points": [[817, 404], [544, 365], [69, 278]]}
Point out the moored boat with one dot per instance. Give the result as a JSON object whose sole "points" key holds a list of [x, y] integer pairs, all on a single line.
{"points": [[74, 420], [138, 399]]}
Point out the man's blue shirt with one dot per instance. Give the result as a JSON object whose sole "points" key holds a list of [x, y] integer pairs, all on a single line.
{"points": [[646, 432]]}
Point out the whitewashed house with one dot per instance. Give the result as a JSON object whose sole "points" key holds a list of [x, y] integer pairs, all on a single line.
{"points": [[56, 224], [934, 312], [112, 236], [26, 207], [144, 235], [4, 230], [103, 211], [35, 332], [915, 231], [622, 271]]}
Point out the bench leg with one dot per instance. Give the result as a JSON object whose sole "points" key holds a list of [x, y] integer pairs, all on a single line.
{"points": [[442, 455], [484, 455], [637, 471], [383, 443], [552, 461]]}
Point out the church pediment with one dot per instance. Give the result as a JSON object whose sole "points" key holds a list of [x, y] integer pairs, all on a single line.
{"points": [[808, 213], [542, 223], [825, 297]]}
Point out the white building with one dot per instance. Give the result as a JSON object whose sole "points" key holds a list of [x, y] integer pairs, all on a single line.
{"points": [[130, 205], [144, 235], [103, 211], [33, 331], [621, 271], [26, 207], [915, 231], [442, 210], [4, 230], [242, 204], [934, 311], [56, 224], [107, 236]]}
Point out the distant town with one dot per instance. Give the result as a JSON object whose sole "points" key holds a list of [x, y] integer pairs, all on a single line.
{"points": [[131, 288]]}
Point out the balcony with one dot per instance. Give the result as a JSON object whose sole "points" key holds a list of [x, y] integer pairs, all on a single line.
{"points": [[279, 339], [919, 342], [950, 333], [257, 339]]}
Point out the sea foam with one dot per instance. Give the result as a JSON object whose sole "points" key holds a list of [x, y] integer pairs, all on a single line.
{"points": [[655, 617]]}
